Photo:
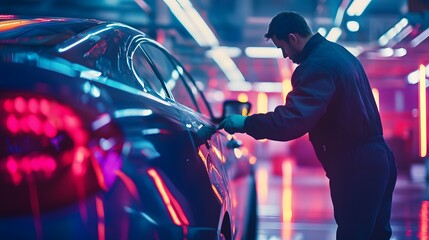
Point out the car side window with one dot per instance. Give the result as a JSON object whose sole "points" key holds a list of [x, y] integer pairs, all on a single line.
{"points": [[99, 52], [146, 74], [171, 76], [197, 94]]}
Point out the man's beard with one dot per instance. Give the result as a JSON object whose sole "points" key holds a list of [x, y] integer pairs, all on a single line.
{"points": [[295, 56]]}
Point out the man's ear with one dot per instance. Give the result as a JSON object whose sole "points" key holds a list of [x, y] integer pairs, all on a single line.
{"points": [[292, 38]]}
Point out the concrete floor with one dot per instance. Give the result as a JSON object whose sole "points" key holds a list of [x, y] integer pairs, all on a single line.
{"points": [[294, 204]]}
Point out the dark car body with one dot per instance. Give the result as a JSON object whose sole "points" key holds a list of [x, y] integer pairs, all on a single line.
{"points": [[104, 135]]}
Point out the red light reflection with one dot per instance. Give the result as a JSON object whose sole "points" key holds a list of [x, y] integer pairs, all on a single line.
{"points": [[43, 118], [176, 212], [424, 221], [38, 164], [129, 184], [100, 212]]}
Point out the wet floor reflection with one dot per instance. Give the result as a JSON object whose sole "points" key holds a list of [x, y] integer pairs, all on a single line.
{"points": [[294, 204]]}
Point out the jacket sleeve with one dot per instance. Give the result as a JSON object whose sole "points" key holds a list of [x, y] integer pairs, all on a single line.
{"points": [[312, 91]]}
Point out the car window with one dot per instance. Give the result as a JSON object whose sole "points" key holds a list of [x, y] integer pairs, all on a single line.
{"points": [[171, 75], [197, 94], [146, 74], [100, 52]]}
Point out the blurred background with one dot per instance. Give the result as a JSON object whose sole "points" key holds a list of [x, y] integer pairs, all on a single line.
{"points": [[222, 44]]}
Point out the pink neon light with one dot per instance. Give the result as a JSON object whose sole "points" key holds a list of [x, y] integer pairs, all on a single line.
{"points": [[44, 106], [422, 110], [424, 221], [49, 129], [23, 122], [11, 165], [12, 123], [18, 167], [8, 105], [20, 104], [43, 117], [35, 124], [33, 105]]}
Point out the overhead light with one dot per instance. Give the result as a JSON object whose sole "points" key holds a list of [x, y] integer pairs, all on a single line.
{"points": [[405, 32], [227, 65], [393, 32], [400, 52], [143, 5], [267, 87], [322, 31], [387, 52], [230, 51], [356, 51], [357, 7], [200, 31], [420, 38], [414, 76], [239, 86], [263, 52], [193, 22], [334, 34], [340, 12], [353, 26]]}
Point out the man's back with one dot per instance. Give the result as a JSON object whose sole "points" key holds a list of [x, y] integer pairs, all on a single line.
{"points": [[352, 115]]}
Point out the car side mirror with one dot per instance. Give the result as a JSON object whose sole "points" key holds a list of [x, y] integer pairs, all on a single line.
{"points": [[234, 107]]}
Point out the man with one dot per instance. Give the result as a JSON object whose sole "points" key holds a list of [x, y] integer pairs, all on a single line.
{"points": [[332, 101]]}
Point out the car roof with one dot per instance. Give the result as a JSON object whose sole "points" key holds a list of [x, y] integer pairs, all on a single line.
{"points": [[41, 31]]}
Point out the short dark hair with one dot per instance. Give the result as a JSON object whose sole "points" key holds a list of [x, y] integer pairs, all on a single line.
{"points": [[285, 23]]}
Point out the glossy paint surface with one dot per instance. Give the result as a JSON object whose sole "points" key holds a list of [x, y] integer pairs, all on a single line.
{"points": [[107, 137]]}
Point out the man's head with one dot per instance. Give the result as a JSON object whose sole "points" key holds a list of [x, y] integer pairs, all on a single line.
{"points": [[290, 32]]}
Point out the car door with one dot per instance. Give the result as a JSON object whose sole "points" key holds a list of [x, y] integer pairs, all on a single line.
{"points": [[196, 127]]}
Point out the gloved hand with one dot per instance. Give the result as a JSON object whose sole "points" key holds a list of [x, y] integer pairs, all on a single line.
{"points": [[233, 123]]}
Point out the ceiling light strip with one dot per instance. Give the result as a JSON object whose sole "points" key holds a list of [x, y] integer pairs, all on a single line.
{"points": [[201, 32], [340, 12], [393, 32], [228, 66], [422, 111], [357, 7], [184, 19], [420, 38], [334, 34], [263, 52]]}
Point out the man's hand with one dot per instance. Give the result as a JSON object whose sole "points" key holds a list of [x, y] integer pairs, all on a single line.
{"points": [[233, 123]]}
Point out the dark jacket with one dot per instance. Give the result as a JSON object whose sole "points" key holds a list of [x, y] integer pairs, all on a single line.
{"points": [[331, 99]]}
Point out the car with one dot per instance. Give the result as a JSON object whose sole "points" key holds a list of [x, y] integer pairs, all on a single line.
{"points": [[105, 135]]}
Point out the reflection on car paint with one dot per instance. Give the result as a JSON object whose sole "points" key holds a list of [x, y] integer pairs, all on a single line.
{"points": [[176, 212], [125, 162]]}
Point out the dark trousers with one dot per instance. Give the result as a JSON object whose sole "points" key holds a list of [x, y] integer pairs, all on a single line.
{"points": [[362, 180]]}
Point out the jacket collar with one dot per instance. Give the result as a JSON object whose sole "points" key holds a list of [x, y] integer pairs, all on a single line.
{"points": [[309, 46]]}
